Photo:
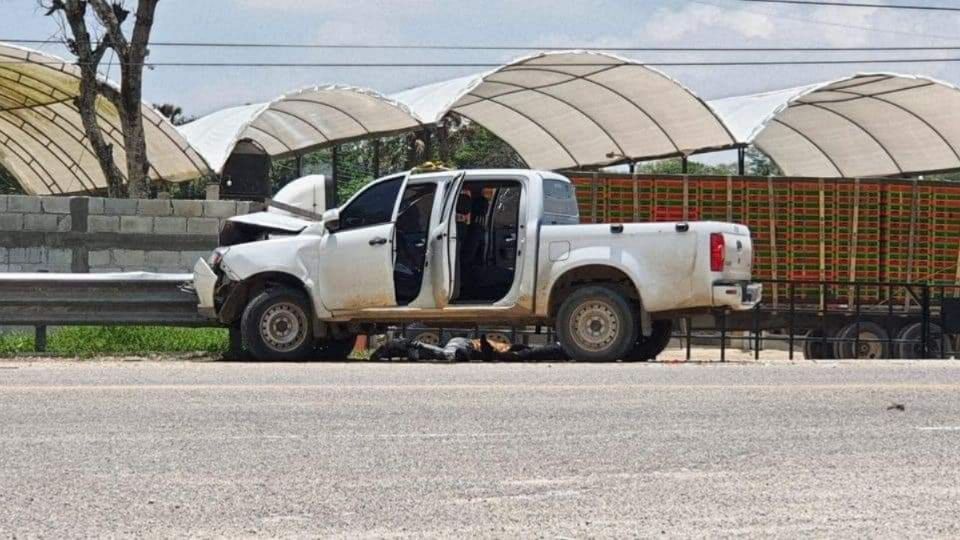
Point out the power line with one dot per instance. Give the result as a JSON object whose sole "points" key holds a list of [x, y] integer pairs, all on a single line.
{"points": [[855, 5], [820, 22], [253, 45], [493, 65]]}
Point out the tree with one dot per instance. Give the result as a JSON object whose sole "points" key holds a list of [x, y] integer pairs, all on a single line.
{"points": [[759, 164], [8, 183], [107, 20], [675, 166], [174, 114]]}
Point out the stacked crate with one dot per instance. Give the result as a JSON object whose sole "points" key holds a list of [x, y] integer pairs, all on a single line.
{"points": [[805, 230]]}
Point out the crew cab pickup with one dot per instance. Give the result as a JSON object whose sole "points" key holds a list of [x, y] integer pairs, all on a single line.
{"points": [[481, 246]]}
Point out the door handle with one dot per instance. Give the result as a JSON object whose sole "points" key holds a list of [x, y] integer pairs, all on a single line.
{"points": [[378, 241]]}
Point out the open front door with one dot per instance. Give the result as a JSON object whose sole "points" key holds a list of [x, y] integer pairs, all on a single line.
{"points": [[355, 263], [443, 246]]}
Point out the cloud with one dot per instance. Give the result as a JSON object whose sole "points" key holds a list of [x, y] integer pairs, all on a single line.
{"points": [[668, 25], [333, 6]]}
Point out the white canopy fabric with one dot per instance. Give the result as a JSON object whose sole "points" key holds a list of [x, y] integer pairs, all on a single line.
{"points": [[569, 109], [42, 141], [870, 124], [298, 121]]}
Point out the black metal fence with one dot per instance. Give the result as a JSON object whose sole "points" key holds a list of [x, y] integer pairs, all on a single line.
{"points": [[818, 319], [840, 320]]}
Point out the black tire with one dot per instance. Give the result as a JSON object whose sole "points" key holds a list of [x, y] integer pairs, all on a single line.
{"points": [[648, 348], [873, 343], [335, 349], [597, 324], [268, 321], [909, 345], [815, 349]]}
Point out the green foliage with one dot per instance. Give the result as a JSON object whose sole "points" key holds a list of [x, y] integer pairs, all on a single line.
{"points": [[95, 340], [8, 183], [675, 166], [759, 164], [475, 147]]}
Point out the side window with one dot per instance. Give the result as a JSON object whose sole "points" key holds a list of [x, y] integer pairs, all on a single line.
{"points": [[507, 210], [372, 207], [560, 203], [416, 207]]}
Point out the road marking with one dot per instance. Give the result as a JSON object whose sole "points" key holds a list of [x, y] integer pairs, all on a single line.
{"points": [[509, 386], [938, 428]]}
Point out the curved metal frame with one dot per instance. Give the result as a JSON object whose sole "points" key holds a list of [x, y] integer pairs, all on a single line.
{"points": [[322, 104], [72, 166], [811, 141], [908, 111], [561, 100], [528, 67], [294, 116], [535, 123], [861, 128], [110, 130]]}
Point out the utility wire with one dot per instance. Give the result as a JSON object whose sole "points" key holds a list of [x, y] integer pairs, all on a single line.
{"points": [[855, 5], [253, 45], [492, 65], [820, 22]]}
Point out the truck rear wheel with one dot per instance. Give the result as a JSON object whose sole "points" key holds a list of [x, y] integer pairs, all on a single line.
{"points": [[872, 343], [815, 347], [649, 347], [276, 326], [910, 342], [597, 324]]}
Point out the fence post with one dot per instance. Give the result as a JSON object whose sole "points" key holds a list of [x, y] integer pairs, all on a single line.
{"points": [[756, 332], [925, 331], [40, 339], [792, 322], [723, 336]]}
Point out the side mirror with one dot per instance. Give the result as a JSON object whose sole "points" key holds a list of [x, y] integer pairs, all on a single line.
{"points": [[331, 219]]}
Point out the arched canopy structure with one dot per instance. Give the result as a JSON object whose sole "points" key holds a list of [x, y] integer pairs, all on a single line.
{"points": [[297, 122], [42, 141], [578, 108], [870, 124]]}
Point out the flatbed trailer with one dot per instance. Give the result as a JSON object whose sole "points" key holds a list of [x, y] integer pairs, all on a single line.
{"points": [[853, 257]]}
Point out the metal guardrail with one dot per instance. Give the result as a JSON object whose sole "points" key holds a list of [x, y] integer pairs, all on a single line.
{"points": [[129, 299], [133, 299]]}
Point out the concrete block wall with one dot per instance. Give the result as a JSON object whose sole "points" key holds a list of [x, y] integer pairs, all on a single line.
{"points": [[91, 234]]}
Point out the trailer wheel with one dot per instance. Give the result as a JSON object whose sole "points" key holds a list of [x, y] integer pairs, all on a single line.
{"points": [[649, 347], [873, 343], [909, 346], [276, 325], [597, 324], [815, 348]]}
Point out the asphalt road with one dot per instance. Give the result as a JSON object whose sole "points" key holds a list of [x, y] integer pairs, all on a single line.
{"points": [[353, 450]]}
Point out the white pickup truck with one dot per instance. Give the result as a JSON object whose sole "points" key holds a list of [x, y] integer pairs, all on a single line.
{"points": [[488, 247]]}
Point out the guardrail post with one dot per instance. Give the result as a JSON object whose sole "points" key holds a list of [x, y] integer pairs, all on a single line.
{"points": [[793, 314], [925, 331], [756, 332], [40, 339], [723, 336]]}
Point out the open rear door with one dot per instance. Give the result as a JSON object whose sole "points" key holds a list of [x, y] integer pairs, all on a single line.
{"points": [[443, 246]]}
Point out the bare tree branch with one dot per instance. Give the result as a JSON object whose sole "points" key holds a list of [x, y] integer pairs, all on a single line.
{"points": [[127, 99]]}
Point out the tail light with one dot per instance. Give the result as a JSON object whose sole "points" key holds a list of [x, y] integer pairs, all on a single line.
{"points": [[718, 251]]}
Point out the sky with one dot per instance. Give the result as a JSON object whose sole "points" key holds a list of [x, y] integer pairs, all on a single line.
{"points": [[538, 23]]}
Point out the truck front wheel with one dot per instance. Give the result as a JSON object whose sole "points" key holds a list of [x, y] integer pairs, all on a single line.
{"points": [[276, 325], [597, 324]]}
